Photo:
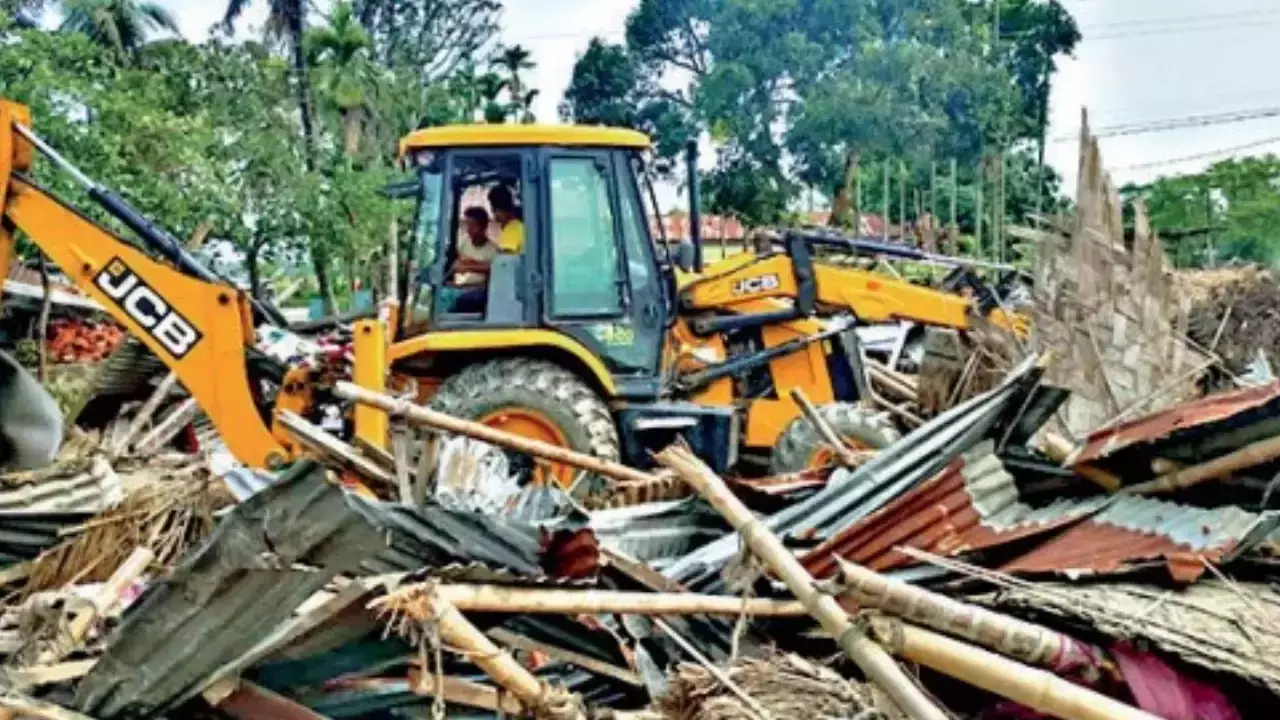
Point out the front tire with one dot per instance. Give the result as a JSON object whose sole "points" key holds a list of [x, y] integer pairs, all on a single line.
{"points": [[534, 398], [800, 447]]}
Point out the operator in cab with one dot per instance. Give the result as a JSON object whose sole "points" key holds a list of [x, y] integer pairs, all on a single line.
{"points": [[505, 211]]}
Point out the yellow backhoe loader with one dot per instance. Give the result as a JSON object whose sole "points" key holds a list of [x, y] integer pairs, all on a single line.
{"points": [[580, 332]]}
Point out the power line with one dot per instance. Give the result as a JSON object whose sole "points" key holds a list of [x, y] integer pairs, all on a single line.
{"points": [[1169, 124], [1221, 152], [1183, 19]]}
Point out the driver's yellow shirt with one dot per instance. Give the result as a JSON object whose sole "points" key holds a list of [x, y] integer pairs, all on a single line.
{"points": [[511, 239]]}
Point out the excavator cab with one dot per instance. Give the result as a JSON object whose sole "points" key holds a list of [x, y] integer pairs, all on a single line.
{"points": [[586, 266]]}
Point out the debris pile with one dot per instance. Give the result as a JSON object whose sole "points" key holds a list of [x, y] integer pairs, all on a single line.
{"points": [[1236, 315], [1072, 535]]}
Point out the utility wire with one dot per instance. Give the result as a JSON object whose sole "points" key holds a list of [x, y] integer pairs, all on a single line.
{"points": [[1221, 152], [1166, 125]]}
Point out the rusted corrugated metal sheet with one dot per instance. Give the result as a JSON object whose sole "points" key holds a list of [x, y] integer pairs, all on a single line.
{"points": [[971, 505], [1175, 427], [1135, 531], [851, 496]]}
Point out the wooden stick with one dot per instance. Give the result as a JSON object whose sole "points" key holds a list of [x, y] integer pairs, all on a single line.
{"points": [[848, 457], [29, 677], [1006, 635], [508, 599], [458, 632], [586, 662], [720, 675], [1246, 457], [874, 662], [168, 426], [331, 448], [427, 417], [464, 692], [1037, 689], [145, 413]]}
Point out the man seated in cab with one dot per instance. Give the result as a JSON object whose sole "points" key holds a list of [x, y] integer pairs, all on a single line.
{"points": [[506, 212], [471, 270]]}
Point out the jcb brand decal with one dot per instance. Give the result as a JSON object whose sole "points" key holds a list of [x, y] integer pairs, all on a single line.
{"points": [[761, 283], [147, 308]]}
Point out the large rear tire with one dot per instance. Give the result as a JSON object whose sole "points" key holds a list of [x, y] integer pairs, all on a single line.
{"points": [[534, 398], [801, 447]]}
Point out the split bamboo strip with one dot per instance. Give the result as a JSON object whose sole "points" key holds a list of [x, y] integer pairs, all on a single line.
{"points": [[144, 415], [426, 417], [848, 457], [1246, 457], [507, 599], [1006, 635], [329, 447], [1037, 689], [870, 657], [29, 707], [456, 631]]}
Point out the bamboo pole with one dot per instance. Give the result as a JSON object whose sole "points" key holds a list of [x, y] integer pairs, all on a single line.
{"points": [[1006, 635], [426, 417], [1037, 689], [507, 599], [456, 631], [1246, 457], [848, 457], [870, 657]]}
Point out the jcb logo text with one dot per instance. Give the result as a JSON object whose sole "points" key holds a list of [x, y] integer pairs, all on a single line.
{"points": [[147, 308], [762, 283]]}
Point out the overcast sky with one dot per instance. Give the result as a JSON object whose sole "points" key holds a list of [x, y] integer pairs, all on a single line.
{"points": [[1141, 61]]}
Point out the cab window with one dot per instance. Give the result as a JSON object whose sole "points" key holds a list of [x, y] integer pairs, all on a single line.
{"points": [[584, 257]]}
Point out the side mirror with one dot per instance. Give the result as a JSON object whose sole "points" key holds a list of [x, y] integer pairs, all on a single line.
{"points": [[686, 255], [30, 421]]}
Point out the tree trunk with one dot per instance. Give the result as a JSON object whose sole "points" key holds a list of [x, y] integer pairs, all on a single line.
{"points": [[320, 263], [351, 125], [42, 325], [251, 264], [842, 206]]}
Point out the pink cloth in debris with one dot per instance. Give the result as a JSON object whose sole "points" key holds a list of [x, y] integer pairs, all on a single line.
{"points": [[1161, 690]]}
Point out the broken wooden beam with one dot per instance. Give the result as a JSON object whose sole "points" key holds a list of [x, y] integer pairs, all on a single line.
{"points": [[848, 456], [426, 417]]}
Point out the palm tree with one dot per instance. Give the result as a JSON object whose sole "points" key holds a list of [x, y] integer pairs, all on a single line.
{"points": [[513, 60], [123, 25], [287, 19], [489, 87], [339, 52]]}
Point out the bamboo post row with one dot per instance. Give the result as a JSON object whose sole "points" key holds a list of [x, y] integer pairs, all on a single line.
{"points": [[427, 417], [878, 666]]}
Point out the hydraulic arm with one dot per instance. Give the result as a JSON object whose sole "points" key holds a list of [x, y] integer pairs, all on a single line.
{"points": [[201, 327]]}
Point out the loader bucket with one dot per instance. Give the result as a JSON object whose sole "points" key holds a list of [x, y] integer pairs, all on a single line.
{"points": [[30, 423]]}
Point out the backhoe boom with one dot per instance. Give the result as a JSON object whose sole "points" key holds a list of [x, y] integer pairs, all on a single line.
{"points": [[201, 328]]}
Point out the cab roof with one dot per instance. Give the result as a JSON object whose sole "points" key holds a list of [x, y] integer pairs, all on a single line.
{"points": [[506, 135]]}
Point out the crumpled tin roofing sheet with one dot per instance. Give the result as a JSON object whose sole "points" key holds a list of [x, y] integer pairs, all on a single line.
{"points": [[1132, 531], [971, 505], [1188, 432], [272, 553], [851, 496]]}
